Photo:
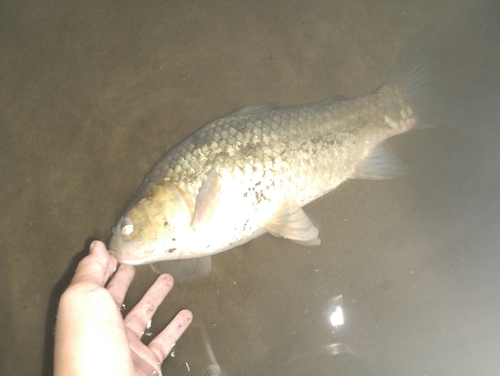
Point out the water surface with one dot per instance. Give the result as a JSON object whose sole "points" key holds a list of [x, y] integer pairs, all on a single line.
{"points": [[93, 94]]}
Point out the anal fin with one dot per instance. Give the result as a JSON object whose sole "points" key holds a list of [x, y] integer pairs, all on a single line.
{"points": [[380, 163]]}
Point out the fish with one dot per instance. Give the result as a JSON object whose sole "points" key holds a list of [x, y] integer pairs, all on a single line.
{"points": [[251, 172]]}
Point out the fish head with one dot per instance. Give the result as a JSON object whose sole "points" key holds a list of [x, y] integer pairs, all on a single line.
{"points": [[155, 228]]}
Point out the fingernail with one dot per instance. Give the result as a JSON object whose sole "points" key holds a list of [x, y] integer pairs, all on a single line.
{"points": [[92, 246]]}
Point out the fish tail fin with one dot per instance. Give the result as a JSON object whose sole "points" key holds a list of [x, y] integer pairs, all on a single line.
{"points": [[416, 74]]}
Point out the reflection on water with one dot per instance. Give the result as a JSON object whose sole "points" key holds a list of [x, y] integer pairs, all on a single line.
{"points": [[93, 96], [335, 316], [213, 369], [335, 312]]}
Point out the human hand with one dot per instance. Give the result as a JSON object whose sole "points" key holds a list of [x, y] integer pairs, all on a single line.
{"points": [[92, 337]]}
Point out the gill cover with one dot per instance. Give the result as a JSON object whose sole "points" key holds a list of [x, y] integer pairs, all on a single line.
{"points": [[153, 225]]}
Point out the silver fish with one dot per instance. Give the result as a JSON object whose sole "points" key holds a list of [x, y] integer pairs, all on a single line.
{"points": [[251, 171]]}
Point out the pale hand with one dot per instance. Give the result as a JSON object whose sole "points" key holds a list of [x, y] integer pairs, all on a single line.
{"points": [[92, 337]]}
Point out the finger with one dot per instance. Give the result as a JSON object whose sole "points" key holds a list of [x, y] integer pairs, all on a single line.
{"points": [[96, 267], [120, 283], [139, 316], [162, 344]]}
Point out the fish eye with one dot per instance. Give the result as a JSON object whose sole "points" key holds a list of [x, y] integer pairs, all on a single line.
{"points": [[127, 227], [128, 230]]}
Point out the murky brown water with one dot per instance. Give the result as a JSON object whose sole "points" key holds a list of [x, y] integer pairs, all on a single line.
{"points": [[92, 94]]}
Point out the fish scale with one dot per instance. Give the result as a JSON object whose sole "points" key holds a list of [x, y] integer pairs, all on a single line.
{"points": [[311, 129], [251, 171]]}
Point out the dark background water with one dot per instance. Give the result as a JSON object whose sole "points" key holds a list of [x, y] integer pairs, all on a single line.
{"points": [[94, 93]]}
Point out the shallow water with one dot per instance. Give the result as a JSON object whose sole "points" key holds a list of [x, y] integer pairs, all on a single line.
{"points": [[93, 94]]}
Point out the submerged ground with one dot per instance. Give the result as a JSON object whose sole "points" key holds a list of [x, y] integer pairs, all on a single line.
{"points": [[92, 94]]}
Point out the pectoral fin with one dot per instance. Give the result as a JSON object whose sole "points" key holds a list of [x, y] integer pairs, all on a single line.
{"points": [[291, 222], [206, 199], [380, 163], [186, 270]]}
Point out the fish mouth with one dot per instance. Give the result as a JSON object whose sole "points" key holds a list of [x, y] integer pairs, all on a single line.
{"points": [[126, 258], [129, 253]]}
